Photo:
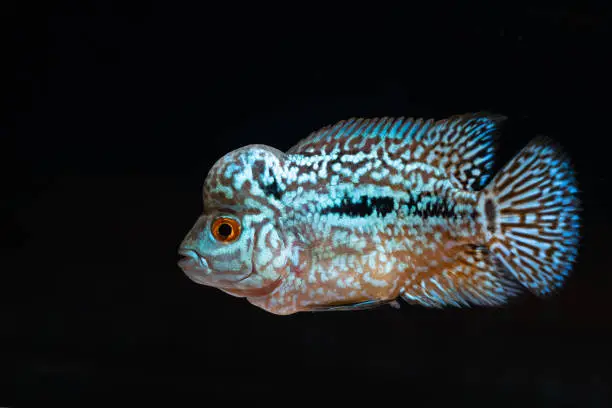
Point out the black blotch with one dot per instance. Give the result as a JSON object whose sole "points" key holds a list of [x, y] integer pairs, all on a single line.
{"points": [[272, 190], [490, 213], [363, 207]]}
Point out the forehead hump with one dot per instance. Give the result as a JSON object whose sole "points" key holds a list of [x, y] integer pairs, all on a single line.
{"points": [[250, 170]]}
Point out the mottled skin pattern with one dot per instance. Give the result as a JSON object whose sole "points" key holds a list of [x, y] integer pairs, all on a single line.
{"points": [[356, 215]]}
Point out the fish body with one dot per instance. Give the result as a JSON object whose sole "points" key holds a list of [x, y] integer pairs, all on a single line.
{"points": [[367, 211]]}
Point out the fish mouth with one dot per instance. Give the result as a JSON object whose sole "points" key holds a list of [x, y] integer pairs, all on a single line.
{"points": [[197, 269], [192, 261], [194, 266]]}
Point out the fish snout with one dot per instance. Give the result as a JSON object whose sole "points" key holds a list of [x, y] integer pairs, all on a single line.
{"points": [[193, 265], [191, 259]]}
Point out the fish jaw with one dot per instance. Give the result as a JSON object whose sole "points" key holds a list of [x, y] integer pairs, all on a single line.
{"points": [[198, 270], [195, 266]]}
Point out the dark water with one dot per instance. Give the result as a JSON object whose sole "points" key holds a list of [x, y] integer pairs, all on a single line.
{"points": [[118, 113]]}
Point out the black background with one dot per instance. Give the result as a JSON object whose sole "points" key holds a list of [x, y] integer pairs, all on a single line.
{"points": [[115, 112]]}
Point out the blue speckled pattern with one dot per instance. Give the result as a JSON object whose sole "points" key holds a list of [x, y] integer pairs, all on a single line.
{"points": [[366, 211]]}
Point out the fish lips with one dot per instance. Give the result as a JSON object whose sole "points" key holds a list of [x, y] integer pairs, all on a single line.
{"points": [[197, 269], [194, 266]]}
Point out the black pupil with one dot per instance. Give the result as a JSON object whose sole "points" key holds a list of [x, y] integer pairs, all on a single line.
{"points": [[225, 230]]}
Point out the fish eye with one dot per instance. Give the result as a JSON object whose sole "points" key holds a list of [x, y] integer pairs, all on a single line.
{"points": [[225, 229]]}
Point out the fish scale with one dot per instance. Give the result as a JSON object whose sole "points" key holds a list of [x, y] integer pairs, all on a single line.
{"points": [[366, 211]]}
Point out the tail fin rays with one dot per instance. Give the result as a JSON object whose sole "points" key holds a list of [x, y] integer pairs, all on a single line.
{"points": [[530, 212]]}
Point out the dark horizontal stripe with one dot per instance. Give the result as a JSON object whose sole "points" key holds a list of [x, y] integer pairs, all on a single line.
{"points": [[441, 207], [363, 207]]}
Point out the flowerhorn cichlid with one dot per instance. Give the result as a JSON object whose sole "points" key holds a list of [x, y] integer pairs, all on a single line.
{"points": [[367, 211]]}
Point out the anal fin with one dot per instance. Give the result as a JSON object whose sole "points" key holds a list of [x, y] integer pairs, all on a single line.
{"points": [[471, 277], [365, 305]]}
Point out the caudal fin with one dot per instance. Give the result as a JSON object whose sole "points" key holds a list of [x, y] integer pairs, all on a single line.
{"points": [[531, 213]]}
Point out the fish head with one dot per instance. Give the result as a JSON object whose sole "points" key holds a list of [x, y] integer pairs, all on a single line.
{"points": [[236, 245]]}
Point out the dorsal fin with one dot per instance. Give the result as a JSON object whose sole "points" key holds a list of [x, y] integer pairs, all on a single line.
{"points": [[462, 145], [467, 145]]}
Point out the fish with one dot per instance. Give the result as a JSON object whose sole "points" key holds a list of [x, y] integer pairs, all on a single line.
{"points": [[370, 211]]}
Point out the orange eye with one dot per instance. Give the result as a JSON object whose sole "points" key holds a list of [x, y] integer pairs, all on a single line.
{"points": [[225, 229]]}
